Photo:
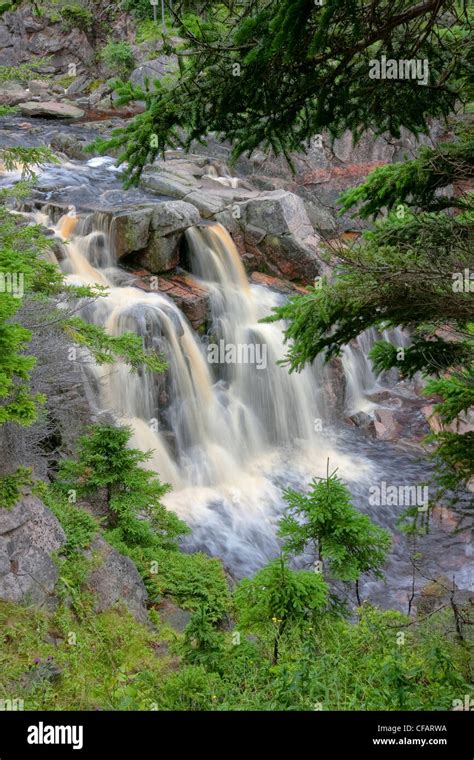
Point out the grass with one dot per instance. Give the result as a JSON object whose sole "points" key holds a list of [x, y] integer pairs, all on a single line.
{"points": [[107, 661]]}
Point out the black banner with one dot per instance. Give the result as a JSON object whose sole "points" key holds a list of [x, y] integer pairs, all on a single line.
{"points": [[374, 734]]}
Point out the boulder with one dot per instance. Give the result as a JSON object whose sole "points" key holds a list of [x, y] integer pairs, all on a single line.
{"points": [[173, 216], [161, 253], [13, 93], [153, 230], [29, 534], [70, 145], [38, 87], [51, 109], [117, 582], [277, 226], [129, 230], [174, 616], [387, 426], [78, 85], [166, 183], [156, 68]]}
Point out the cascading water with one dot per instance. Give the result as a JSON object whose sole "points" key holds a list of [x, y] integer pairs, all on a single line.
{"points": [[227, 431], [229, 428], [359, 374]]}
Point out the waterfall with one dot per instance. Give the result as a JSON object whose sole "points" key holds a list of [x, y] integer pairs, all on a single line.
{"points": [[227, 425], [361, 379]]}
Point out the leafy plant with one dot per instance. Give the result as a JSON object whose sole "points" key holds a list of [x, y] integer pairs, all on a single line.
{"points": [[119, 58]]}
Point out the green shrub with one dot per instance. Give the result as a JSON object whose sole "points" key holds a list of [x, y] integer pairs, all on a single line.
{"points": [[77, 17], [119, 58], [192, 688], [78, 525]]}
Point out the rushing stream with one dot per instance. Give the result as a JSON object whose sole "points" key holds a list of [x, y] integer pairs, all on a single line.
{"points": [[230, 428]]}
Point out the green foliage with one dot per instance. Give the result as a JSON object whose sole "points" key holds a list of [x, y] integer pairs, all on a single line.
{"points": [[106, 349], [192, 688], [132, 492], [192, 580], [23, 71], [11, 487], [119, 58], [79, 526], [112, 666], [326, 522], [23, 270], [406, 271], [139, 525], [434, 355], [416, 183], [141, 9], [28, 159], [279, 597], [8, 110], [315, 63], [379, 663], [77, 17]]}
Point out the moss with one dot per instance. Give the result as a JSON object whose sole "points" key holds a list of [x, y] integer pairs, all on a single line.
{"points": [[65, 81]]}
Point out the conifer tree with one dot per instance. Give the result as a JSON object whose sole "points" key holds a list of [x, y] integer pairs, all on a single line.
{"points": [[345, 542], [414, 269], [274, 74], [106, 464]]}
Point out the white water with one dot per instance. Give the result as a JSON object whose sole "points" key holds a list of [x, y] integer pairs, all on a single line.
{"points": [[359, 374], [227, 437]]}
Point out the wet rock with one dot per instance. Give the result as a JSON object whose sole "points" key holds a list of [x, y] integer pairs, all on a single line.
{"points": [[153, 230], [387, 427], [173, 216], [129, 230], [363, 421], [184, 290], [70, 145], [167, 184], [161, 253], [117, 582], [276, 283], [29, 534], [51, 109], [78, 86]]}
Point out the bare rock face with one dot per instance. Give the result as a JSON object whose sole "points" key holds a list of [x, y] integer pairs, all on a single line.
{"points": [[117, 582], [276, 226], [184, 290], [29, 534], [24, 37]]}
